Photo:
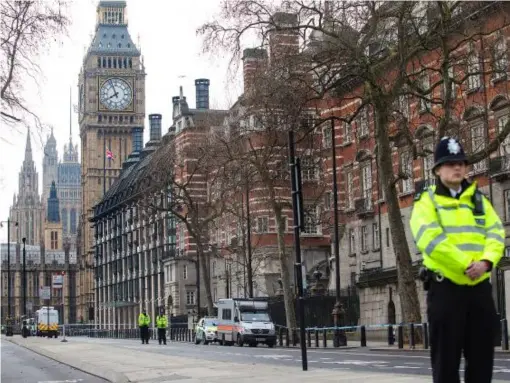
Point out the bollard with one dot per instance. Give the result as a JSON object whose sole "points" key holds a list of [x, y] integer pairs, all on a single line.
{"points": [[425, 327], [294, 337], [391, 336], [286, 337], [412, 342], [223, 339], [280, 335], [316, 338], [363, 335], [309, 337], [400, 336], [504, 334], [324, 338]]}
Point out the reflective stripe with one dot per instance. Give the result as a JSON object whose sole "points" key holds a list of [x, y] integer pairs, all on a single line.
{"points": [[470, 247], [463, 229], [432, 225], [436, 241], [495, 226], [431, 195], [460, 206], [495, 236]]}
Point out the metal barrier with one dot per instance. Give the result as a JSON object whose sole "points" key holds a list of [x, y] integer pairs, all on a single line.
{"points": [[316, 337]]}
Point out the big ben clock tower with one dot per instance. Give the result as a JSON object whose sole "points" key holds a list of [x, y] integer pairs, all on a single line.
{"points": [[111, 111]]}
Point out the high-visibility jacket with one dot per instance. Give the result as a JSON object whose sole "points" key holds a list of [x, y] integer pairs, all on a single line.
{"points": [[161, 321], [143, 320], [450, 237]]}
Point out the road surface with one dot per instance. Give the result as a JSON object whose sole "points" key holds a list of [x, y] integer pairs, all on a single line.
{"points": [[401, 362], [20, 365]]}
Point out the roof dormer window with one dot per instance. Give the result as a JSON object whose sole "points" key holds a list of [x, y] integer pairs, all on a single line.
{"points": [[113, 36]]}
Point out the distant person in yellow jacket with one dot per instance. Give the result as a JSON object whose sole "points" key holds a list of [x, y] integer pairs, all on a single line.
{"points": [[462, 239], [161, 324], [143, 322]]}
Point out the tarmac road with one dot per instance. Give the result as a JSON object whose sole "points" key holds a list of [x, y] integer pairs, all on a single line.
{"points": [[20, 365], [349, 359]]}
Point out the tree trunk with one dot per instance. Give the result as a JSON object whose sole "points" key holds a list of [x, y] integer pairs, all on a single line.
{"points": [[288, 295], [409, 302], [206, 278]]}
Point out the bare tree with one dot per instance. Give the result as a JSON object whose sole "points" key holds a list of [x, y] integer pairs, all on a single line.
{"points": [[276, 101], [27, 28], [194, 176], [369, 57]]}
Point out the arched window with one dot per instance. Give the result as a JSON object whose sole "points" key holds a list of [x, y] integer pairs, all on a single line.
{"points": [[500, 107], [109, 62], [425, 135], [73, 221], [475, 120]]}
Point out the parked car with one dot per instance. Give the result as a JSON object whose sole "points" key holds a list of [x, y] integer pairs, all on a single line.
{"points": [[206, 330]]}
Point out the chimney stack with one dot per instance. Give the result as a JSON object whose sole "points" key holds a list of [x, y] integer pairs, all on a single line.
{"points": [[202, 93], [282, 40], [254, 60], [137, 140], [155, 127]]}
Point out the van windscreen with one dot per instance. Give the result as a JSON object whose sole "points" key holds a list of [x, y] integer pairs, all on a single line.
{"points": [[251, 315]]}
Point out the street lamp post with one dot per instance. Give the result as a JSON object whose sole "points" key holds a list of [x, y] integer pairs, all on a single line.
{"points": [[8, 329], [24, 287], [340, 339], [24, 278]]}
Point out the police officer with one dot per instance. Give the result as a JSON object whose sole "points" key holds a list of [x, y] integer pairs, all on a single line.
{"points": [[161, 323], [462, 239], [144, 322]]}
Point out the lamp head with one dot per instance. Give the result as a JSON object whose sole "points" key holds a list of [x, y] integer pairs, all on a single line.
{"points": [[24, 240]]}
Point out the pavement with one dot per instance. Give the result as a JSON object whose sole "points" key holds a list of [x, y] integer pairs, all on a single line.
{"points": [[126, 360], [20, 365]]}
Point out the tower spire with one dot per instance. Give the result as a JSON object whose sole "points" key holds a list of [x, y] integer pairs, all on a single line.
{"points": [[70, 118], [28, 148]]}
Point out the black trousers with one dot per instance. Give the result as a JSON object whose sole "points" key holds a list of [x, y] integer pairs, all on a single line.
{"points": [[144, 334], [462, 321], [162, 335]]}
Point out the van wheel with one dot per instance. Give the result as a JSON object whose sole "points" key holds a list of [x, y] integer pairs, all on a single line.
{"points": [[239, 341]]}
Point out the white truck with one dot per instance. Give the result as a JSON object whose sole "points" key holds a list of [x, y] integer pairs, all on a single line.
{"points": [[47, 321], [245, 321]]}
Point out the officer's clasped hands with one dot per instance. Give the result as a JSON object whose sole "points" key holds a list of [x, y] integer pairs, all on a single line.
{"points": [[477, 269]]}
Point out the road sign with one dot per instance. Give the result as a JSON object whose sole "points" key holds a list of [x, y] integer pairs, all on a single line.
{"points": [[58, 281], [45, 292]]}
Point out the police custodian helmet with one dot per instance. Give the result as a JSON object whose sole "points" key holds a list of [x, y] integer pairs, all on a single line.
{"points": [[449, 150]]}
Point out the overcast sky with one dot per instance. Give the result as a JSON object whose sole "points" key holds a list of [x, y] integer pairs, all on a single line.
{"points": [[171, 49]]}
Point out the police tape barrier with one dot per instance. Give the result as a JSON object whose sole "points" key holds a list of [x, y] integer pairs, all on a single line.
{"points": [[315, 336]]}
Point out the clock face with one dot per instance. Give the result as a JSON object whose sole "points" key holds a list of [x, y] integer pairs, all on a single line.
{"points": [[115, 94]]}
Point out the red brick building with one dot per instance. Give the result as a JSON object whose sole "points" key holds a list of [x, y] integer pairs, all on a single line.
{"points": [[481, 109]]}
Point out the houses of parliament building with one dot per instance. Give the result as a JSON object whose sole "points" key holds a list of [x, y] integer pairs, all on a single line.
{"points": [[49, 224]]}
